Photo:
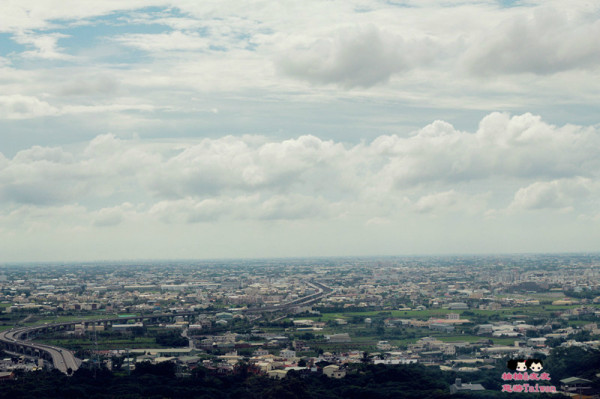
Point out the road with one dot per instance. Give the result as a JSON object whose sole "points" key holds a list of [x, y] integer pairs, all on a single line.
{"points": [[65, 361], [62, 359]]}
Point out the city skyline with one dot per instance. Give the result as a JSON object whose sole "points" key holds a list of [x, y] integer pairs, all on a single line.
{"points": [[177, 130]]}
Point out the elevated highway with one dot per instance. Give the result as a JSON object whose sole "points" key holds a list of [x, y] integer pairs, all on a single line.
{"points": [[62, 359], [18, 339]]}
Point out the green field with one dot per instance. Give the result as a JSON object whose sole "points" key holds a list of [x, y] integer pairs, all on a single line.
{"points": [[366, 337], [539, 310]]}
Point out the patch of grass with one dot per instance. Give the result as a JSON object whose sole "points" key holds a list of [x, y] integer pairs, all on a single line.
{"points": [[538, 310], [461, 338]]}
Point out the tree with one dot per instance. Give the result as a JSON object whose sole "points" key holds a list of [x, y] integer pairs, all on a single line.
{"points": [[365, 357], [165, 369], [532, 334], [117, 362]]}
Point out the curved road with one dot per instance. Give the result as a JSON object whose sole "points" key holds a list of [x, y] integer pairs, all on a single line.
{"points": [[64, 360]]}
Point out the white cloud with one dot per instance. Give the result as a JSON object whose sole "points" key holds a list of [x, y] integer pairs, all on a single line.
{"points": [[46, 45], [430, 202], [444, 169], [559, 194], [113, 216], [47, 176], [161, 42], [18, 106], [430, 54], [231, 163], [356, 56], [90, 85], [433, 179], [335, 88], [26, 219], [520, 146], [244, 207], [542, 41], [35, 14]]}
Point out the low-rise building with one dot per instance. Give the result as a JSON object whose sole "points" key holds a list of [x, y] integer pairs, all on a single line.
{"points": [[459, 386], [333, 371]]}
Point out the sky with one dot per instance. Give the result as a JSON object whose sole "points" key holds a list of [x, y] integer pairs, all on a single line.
{"points": [[153, 129]]}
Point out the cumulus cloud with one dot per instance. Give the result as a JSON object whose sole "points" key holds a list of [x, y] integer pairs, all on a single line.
{"points": [[19, 106], [241, 178], [561, 194], [244, 207], [520, 146], [430, 202], [46, 217], [362, 56], [47, 176], [427, 54], [233, 163], [113, 216], [543, 41], [452, 201]]}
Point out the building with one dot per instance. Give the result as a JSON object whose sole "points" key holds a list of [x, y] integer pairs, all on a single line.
{"points": [[458, 306], [123, 327], [384, 346], [441, 327], [536, 342], [287, 353], [484, 329], [278, 374], [344, 337], [459, 386], [6, 375], [575, 385], [333, 371]]}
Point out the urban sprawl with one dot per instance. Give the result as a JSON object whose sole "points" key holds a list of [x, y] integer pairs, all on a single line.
{"points": [[462, 314]]}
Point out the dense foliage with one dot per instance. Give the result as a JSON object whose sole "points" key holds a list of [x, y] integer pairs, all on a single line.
{"points": [[159, 381], [171, 339], [362, 381]]}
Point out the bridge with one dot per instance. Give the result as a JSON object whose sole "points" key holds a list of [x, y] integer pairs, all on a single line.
{"points": [[62, 359], [19, 339]]}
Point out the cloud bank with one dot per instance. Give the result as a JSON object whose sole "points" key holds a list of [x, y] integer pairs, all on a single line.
{"points": [[436, 168]]}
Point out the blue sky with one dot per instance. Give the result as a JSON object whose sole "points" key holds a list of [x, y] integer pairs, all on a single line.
{"points": [[182, 129]]}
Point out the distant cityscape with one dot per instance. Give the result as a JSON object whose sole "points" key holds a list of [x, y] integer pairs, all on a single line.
{"points": [[461, 314]]}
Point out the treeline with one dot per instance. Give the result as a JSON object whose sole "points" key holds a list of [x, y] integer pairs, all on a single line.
{"points": [[587, 294], [160, 381], [362, 381]]}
